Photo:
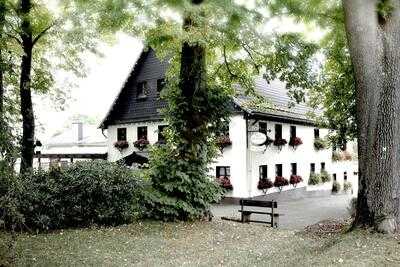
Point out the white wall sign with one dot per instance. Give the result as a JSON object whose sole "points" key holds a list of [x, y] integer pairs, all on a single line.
{"points": [[258, 139], [257, 148]]}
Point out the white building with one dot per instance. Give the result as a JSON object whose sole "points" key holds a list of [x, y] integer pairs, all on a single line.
{"points": [[135, 114]]}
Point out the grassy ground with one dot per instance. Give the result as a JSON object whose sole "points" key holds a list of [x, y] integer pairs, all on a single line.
{"points": [[204, 244]]}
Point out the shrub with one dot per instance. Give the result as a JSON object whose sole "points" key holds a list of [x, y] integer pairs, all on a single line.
{"points": [[295, 142], [141, 144], [223, 141], [280, 182], [280, 142], [295, 179], [264, 184], [225, 182], [85, 193], [314, 179], [335, 187], [319, 144], [336, 156], [121, 145], [325, 176], [347, 186]]}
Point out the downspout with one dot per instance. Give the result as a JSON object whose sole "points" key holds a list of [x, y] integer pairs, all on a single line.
{"points": [[248, 158]]}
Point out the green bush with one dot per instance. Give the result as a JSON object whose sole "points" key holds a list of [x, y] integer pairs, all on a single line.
{"points": [[325, 176], [314, 179], [335, 187], [336, 156], [85, 193], [347, 186], [320, 144]]}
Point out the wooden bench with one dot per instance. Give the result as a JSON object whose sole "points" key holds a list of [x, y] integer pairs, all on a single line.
{"points": [[270, 206]]}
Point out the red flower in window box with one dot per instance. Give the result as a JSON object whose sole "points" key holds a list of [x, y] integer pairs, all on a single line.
{"points": [[225, 182], [264, 184], [295, 141], [280, 142], [280, 182], [223, 141], [295, 179], [141, 144], [121, 145]]}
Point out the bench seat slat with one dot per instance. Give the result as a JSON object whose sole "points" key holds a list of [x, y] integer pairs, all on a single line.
{"points": [[258, 203], [258, 212]]}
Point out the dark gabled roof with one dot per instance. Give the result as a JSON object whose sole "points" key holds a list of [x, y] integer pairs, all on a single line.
{"points": [[127, 108]]}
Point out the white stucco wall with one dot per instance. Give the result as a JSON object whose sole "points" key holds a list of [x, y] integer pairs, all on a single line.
{"points": [[244, 163]]}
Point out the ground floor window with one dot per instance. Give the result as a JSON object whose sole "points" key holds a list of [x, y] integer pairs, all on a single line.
{"points": [[121, 134], [334, 176], [322, 166], [161, 137], [345, 176], [278, 169], [142, 132], [223, 171], [294, 168], [263, 170], [312, 167]]}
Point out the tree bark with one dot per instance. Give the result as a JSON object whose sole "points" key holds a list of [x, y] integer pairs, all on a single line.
{"points": [[2, 21], [373, 44], [28, 120]]}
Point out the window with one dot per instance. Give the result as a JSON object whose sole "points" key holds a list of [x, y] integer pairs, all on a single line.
{"points": [[121, 134], [312, 167], [263, 169], [142, 89], [262, 127], [322, 166], [293, 132], [294, 168], [316, 133], [142, 132], [160, 85], [161, 137], [334, 176], [278, 169], [355, 173], [224, 171], [345, 176], [278, 131]]}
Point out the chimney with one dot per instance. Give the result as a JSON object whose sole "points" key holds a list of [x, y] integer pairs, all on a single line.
{"points": [[78, 131]]}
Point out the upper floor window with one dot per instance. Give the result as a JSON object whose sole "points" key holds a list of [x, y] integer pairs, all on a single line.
{"points": [[278, 169], [345, 176], [293, 133], [263, 170], [161, 137], [316, 133], [121, 134], [294, 168], [278, 131], [142, 89], [223, 171], [312, 167], [334, 176], [142, 132], [322, 166], [262, 127], [160, 84]]}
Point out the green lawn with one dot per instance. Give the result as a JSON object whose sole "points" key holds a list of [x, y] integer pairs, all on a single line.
{"points": [[202, 243]]}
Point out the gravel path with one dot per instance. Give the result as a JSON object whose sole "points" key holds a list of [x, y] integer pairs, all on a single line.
{"points": [[298, 213]]}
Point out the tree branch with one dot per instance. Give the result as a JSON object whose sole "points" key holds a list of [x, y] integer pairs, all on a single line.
{"points": [[15, 38], [42, 33]]}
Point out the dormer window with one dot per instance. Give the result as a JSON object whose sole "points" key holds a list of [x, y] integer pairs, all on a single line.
{"points": [[142, 89], [160, 85]]}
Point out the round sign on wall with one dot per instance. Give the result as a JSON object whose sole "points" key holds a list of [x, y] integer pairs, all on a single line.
{"points": [[258, 139]]}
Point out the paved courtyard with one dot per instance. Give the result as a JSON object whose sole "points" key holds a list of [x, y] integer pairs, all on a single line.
{"points": [[298, 213]]}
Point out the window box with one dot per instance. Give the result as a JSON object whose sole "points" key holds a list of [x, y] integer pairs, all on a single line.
{"points": [[295, 142], [264, 184], [295, 179], [223, 141], [141, 144], [225, 182], [121, 145], [280, 142], [280, 182]]}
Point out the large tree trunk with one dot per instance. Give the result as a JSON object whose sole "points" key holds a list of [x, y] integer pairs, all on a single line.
{"points": [[28, 120], [374, 47], [2, 18]]}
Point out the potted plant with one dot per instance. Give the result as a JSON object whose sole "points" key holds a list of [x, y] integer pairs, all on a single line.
{"points": [[295, 179], [347, 187], [280, 142], [225, 182], [335, 187], [314, 179], [325, 176], [223, 141], [336, 156], [121, 145], [295, 142], [280, 182], [264, 184], [141, 144], [319, 144]]}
